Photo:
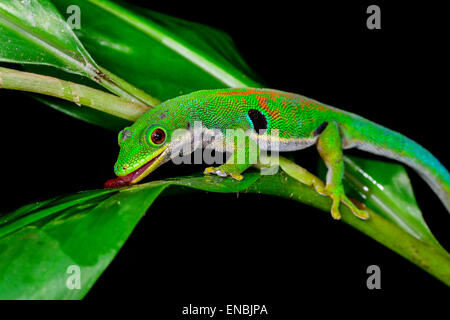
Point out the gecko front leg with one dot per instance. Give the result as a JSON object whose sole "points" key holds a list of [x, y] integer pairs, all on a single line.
{"points": [[228, 169], [245, 153]]}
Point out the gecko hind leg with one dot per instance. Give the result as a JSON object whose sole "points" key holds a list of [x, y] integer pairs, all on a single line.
{"points": [[336, 193], [329, 145]]}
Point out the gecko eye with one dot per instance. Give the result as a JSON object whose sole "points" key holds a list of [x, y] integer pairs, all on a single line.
{"points": [[158, 136]]}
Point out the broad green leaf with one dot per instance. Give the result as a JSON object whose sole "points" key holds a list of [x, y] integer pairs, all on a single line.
{"points": [[158, 53], [39, 242], [34, 32], [425, 253]]}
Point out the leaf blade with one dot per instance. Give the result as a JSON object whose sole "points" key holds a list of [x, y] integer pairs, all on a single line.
{"points": [[40, 241], [36, 27], [34, 32]]}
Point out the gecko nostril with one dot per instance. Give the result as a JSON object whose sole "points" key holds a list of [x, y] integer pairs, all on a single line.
{"points": [[125, 167]]}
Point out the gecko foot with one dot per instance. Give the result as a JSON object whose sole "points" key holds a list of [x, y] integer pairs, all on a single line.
{"points": [[224, 171], [337, 194]]}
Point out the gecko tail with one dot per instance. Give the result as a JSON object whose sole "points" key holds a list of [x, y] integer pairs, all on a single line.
{"points": [[441, 188], [382, 141]]}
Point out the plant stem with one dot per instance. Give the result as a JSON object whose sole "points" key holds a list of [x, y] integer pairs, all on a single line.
{"points": [[432, 259], [79, 94]]}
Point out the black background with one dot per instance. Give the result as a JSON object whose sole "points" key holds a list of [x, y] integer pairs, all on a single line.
{"points": [[223, 249]]}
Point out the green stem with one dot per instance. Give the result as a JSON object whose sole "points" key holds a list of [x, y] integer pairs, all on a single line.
{"points": [[79, 94], [432, 259]]}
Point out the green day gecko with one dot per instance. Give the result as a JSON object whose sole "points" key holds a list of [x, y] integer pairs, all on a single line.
{"points": [[292, 121]]}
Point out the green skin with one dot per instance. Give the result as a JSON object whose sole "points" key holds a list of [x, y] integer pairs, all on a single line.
{"points": [[301, 122]]}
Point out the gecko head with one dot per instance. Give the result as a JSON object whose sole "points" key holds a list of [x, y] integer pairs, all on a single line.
{"points": [[144, 146]]}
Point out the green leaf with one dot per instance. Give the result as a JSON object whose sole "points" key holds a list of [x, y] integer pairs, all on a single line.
{"points": [[385, 188], [428, 255], [34, 32], [158, 53], [40, 241]]}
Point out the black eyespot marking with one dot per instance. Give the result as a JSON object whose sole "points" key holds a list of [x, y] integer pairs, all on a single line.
{"points": [[320, 129], [258, 119]]}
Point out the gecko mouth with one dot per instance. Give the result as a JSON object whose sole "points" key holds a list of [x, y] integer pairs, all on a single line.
{"points": [[134, 176]]}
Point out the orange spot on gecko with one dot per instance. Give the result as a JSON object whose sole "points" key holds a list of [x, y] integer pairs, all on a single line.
{"points": [[262, 102]]}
